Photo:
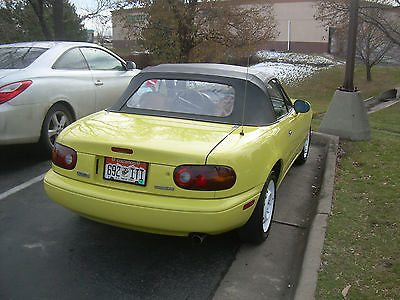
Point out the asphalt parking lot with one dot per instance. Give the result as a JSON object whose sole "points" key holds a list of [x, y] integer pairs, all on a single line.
{"points": [[48, 252]]}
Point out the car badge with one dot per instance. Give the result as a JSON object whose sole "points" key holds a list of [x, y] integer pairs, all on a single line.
{"points": [[83, 174], [165, 188]]}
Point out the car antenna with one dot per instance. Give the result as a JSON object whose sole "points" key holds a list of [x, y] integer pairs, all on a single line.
{"points": [[245, 90]]}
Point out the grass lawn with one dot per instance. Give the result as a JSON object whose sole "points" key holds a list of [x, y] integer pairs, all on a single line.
{"points": [[387, 119], [319, 89], [362, 244]]}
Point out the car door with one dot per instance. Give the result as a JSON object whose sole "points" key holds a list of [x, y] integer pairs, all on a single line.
{"points": [[299, 127], [110, 76], [286, 117], [71, 81]]}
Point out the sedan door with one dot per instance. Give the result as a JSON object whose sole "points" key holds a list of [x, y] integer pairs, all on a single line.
{"points": [[110, 76], [71, 81]]}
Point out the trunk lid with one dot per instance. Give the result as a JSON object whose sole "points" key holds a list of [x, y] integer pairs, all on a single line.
{"points": [[162, 143], [6, 72], [152, 139]]}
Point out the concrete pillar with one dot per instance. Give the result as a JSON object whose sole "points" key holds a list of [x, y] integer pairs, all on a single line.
{"points": [[347, 117]]}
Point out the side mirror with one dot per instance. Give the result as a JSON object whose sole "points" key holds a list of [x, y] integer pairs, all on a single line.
{"points": [[301, 106], [130, 65]]}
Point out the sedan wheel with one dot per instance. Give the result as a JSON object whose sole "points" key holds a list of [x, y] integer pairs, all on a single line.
{"points": [[257, 228], [57, 118]]}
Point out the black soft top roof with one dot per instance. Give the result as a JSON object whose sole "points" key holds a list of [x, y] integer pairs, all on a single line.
{"points": [[258, 110], [210, 69]]}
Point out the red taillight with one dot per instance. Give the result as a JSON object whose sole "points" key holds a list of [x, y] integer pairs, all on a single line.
{"points": [[63, 156], [183, 177], [204, 177], [9, 91]]}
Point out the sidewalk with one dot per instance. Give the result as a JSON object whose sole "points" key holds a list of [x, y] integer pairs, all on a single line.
{"points": [[286, 265]]}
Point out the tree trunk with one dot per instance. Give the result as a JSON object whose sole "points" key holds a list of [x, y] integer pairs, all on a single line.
{"points": [[38, 7], [58, 18], [368, 67]]}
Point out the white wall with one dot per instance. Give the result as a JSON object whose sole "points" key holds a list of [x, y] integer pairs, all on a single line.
{"points": [[304, 28]]}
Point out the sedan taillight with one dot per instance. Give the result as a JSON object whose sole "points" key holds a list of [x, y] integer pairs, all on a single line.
{"points": [[204, 177], [63, 156], [9, 91]]}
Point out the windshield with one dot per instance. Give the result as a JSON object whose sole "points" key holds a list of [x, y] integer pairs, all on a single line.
{"points": [[18, 57], [184, 96]]}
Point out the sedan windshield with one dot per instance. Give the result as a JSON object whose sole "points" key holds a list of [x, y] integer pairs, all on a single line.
{"points": [[184, 96], [18, 57]]}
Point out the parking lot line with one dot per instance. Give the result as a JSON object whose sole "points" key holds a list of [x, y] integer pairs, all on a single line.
{"points": [[22, 186]]}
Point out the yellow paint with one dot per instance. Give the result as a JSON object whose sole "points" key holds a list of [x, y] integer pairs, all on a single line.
{"points": [[166, 143]]}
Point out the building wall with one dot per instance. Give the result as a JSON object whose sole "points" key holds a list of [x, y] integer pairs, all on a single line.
{"points": [[302, 47], [295, 19], [299, 17], [306, 34], [123, 35]]}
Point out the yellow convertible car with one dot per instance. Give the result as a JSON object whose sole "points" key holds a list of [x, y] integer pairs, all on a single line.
{"points": [[188, 149]]}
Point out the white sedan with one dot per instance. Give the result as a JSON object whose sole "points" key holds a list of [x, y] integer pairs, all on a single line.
{"points": [[44, 86]]}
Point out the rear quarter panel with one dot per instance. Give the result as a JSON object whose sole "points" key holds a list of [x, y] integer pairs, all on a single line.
{"points": [[51, 86], [251, 155], [254, 154]]}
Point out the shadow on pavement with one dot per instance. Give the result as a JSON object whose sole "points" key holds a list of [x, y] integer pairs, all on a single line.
{"points": [[21, 156], [20, 163]]}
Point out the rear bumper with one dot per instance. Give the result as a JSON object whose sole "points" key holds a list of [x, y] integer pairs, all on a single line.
{"points": [[19, 123], [110, 206]]}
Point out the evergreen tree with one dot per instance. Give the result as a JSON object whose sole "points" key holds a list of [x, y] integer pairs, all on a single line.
{"points": [[34, 21]]}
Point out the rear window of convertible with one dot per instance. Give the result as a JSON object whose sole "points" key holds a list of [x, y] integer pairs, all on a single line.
{"points": [[184, 96]]}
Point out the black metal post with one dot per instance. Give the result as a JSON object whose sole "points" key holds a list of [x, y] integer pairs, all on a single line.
{"points": [[351, 48]]}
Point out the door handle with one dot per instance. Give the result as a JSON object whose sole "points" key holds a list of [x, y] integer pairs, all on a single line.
{"points": [[290, 133], [99, 82]]}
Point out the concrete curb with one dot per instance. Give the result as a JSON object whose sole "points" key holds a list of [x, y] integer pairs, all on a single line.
{"points": [[382, 105], [370, 102], [308, 277]]}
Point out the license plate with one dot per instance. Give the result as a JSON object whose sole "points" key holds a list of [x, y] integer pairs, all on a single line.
{"points": [[128, 171]]}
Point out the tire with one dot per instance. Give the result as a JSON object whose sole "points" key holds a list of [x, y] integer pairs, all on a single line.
{"points": [[302, 158], [57, 118], [257, 228]]}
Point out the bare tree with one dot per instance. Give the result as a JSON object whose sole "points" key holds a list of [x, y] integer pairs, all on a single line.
{"points": [[193, 30], [373, 43], [240, 28], [389, 24], [335, 13], [168, 29], [100, 13], [102, 6], [101, 27]]}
